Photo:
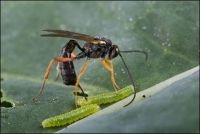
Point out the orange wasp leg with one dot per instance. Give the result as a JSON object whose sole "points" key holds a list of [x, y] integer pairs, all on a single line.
{"points": [[109, 66], [48, 70], [78, 79]]}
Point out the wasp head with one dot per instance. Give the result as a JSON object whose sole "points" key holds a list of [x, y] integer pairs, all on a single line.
{"points": [[113, 52]]}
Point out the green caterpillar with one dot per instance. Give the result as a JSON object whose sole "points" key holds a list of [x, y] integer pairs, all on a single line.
{"points": [[70, 117], [87, 107], [109, 97]]}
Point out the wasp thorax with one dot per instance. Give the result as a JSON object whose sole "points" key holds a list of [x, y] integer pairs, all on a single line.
{"points": [[107, 41]]}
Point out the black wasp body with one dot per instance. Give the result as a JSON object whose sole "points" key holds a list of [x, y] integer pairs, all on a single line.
{"points": [[99, 49], [66, 69], [94, 47]]}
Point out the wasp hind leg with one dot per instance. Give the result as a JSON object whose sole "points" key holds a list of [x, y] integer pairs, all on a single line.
{"points": [[78, 79], [48, 70]]}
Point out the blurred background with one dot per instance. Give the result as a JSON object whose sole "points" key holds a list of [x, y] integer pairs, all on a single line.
{"points": [[167, 31]]}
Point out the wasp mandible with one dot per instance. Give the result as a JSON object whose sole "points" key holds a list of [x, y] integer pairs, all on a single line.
{"points": [[94, 47]]}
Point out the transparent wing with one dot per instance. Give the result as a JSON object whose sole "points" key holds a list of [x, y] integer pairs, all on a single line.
{"points": [[69, 34]]}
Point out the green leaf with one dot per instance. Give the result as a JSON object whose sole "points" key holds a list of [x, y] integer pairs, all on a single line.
{"points": [[168, 31], [173, 108]]}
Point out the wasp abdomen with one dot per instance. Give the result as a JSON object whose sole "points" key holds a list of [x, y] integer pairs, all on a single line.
{"points": [[68, 73]]}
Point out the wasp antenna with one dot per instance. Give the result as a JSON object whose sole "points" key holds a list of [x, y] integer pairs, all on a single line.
{"points": [[137, 51], [131, 79]]}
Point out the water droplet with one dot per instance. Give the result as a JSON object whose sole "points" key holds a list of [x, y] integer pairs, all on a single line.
{"points": [[167, 34], [126, 28], [169, 44], [140, 17], [149, 50], [159, 30], [194, 28], [123, 71], [130, 19], [144, 28]]}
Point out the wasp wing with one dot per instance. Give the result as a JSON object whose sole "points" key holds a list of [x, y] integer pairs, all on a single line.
{"points": [[69, 34]]}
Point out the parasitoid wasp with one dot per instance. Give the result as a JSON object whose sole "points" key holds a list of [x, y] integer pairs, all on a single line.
{"points": [[94, 47]]}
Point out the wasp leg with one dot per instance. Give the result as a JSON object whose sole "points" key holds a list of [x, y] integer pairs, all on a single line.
{"points": [[109, 66], [78, 79], [48, 70], [83, 94]]}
